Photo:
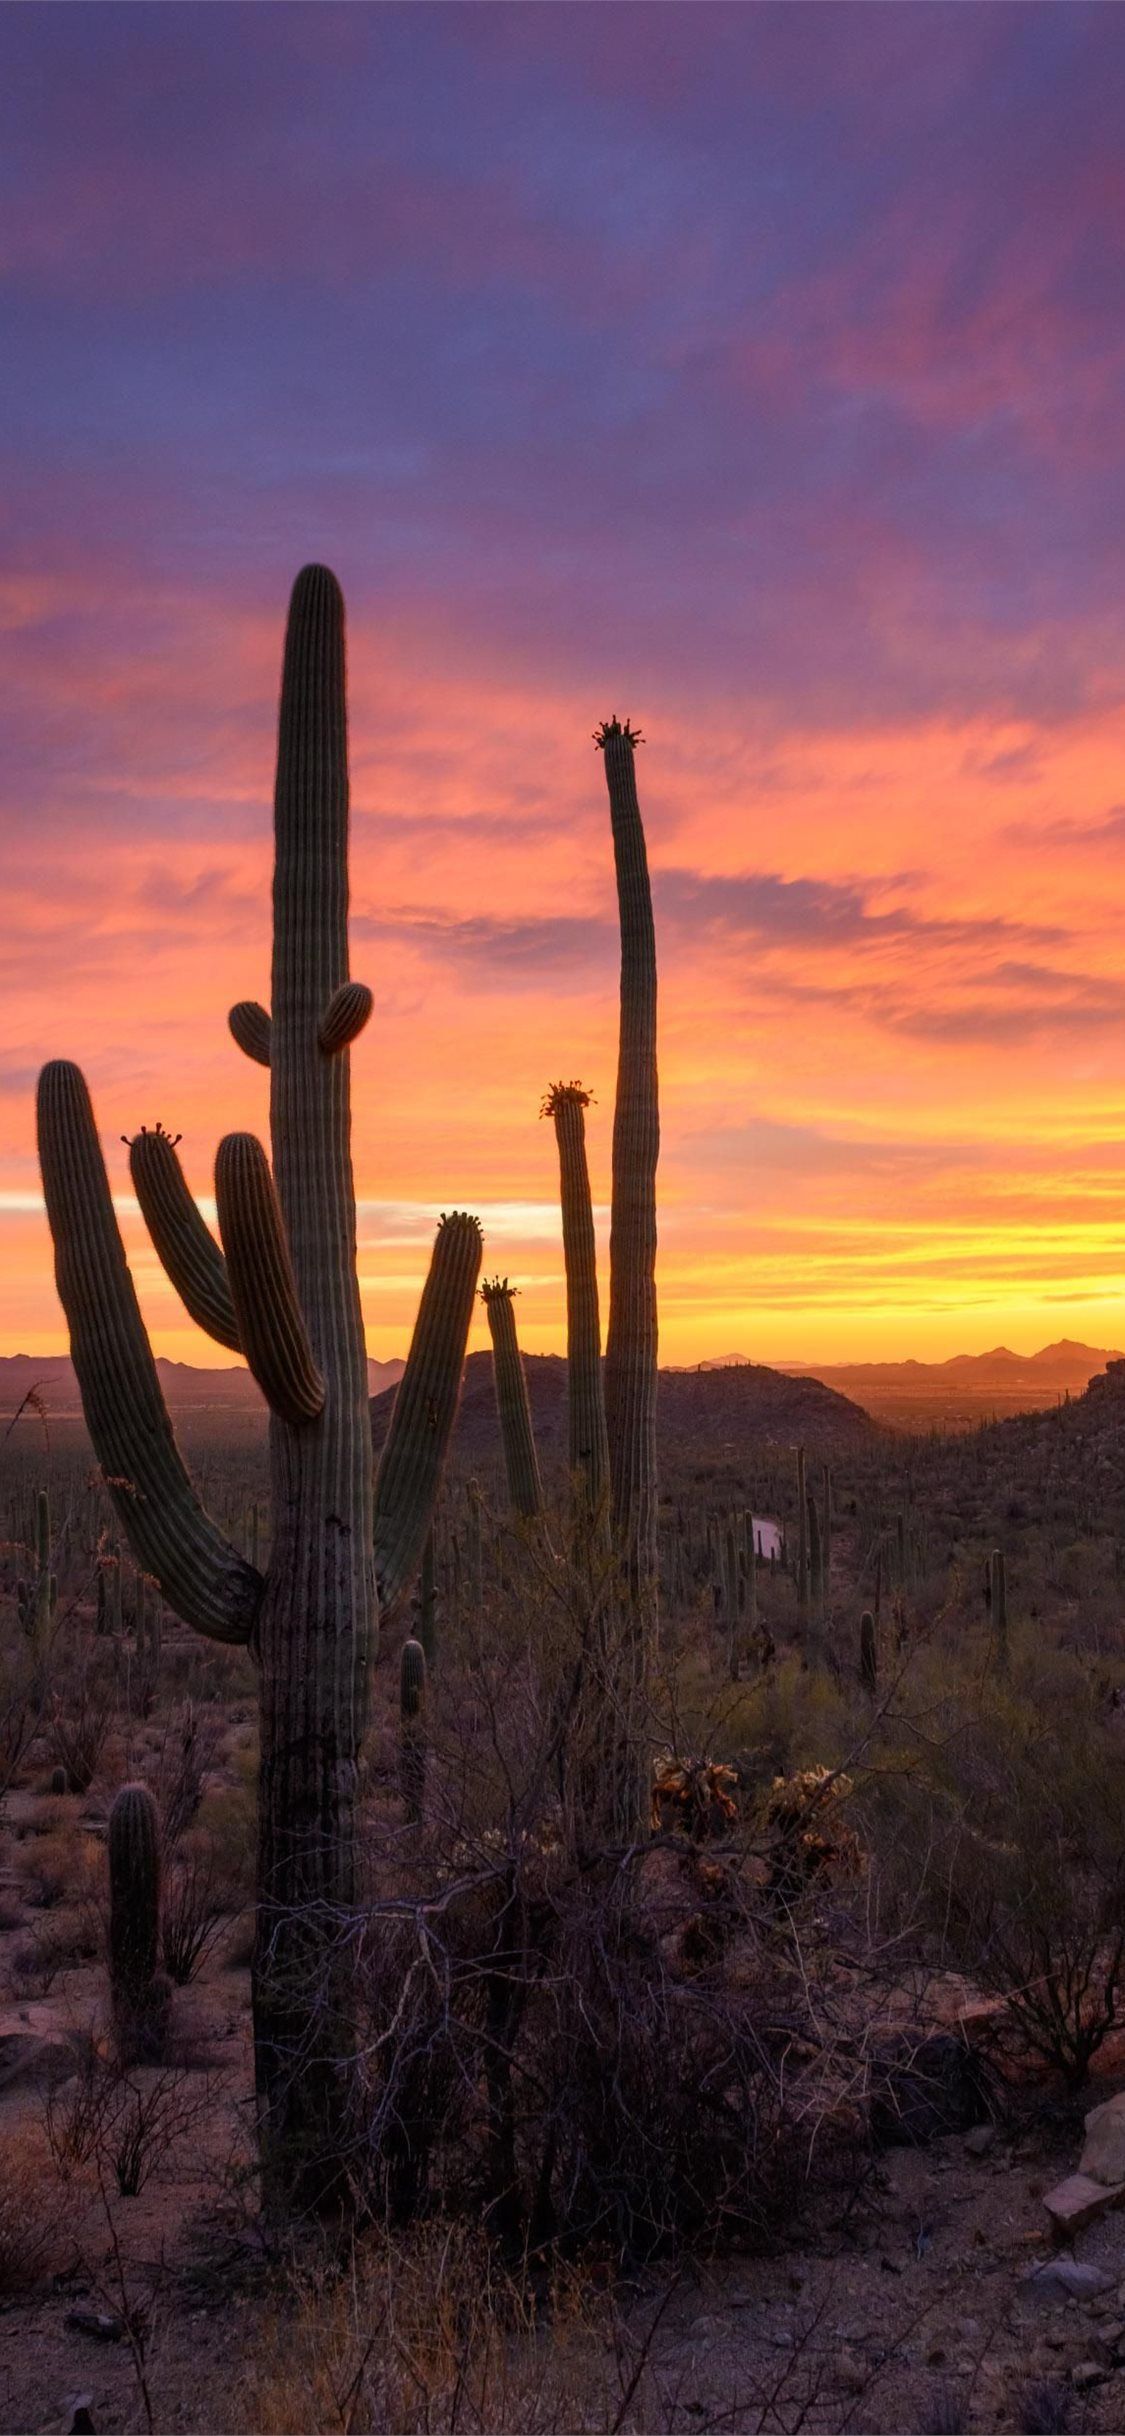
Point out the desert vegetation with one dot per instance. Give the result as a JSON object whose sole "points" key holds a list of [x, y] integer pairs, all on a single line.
{"points": [[471, 1916]]}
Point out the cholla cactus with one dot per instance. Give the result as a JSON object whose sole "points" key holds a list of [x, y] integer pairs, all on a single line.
{"points": [[284, 1291], [140, 1994], [517, 1437]]}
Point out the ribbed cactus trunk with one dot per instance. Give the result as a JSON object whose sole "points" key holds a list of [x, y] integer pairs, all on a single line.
{"points": [[283, 1291], [631, 1335], [587, 1441], [521, 1463], [140, 1993], [317, 1617]]}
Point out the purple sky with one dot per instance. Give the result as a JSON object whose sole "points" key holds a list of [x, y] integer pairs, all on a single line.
{"points": [[758, 370]]}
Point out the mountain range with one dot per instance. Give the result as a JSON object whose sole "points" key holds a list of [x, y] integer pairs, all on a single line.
{"points": [[743, 1394]]}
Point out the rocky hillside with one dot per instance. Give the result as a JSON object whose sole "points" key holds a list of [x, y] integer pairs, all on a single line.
{"points": [[704, 1417]]}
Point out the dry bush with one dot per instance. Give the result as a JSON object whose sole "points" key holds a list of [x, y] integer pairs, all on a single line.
{"points": [[61, 1944], [194, 1905], [30, 2213], [53, 1866], [228, 1818], [573, 2044], [127, 2126], [428, 2333], [188, 1750], [18, 1718], [80, 1719], [1027, 1877]]}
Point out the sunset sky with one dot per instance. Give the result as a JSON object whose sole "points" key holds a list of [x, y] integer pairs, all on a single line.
{"points": [[756, 372]]}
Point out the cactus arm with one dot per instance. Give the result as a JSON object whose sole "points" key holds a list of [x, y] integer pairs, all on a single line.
{"points": [[631, 1337], [186, 1247], [344, 1017], [200, 1574], [588, 1446], [425, 1409], [521, 1462], [271, 1325], [252, 1029]]}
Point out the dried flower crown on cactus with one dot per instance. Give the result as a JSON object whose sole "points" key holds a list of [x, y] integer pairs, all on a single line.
{"points": [[282, 1289]]}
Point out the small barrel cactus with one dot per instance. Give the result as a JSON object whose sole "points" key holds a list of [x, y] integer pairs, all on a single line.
{"points": [[138, 1989]]}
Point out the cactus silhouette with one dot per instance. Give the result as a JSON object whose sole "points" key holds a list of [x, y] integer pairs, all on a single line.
{"points": [[631, 1335], [521, 1462], [36, 1598], [283, 1290], [139, 1993], [412, 1729], [588, 1444]]}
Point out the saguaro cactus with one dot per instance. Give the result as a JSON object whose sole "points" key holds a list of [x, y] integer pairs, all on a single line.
{"points": [[36, 1598], [631, 1336], [803, 1569], [284, 1291], [139, 1993], [412, 1729], [588, 1446], [521, 1462]]}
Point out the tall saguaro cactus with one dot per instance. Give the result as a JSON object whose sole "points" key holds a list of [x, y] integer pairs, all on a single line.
{"points": [[521, 1462], [631, 1336], [588, 1447], [283, 1290]]}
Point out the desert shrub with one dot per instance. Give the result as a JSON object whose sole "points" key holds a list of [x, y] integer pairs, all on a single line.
{"points": [[1044, 2407], [79, 1722], [428, 2332], [563, 2049], [194, 1907], [52, 1866], [1029, 1874], [29, 2213], [187, 1752], [128, 2126], [18, 1717], [59, 1945], [228, 1819]]}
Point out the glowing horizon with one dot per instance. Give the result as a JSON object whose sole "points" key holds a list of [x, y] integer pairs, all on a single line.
{"points": [[757, 374]]}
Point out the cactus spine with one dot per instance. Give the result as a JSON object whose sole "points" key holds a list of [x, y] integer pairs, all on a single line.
{"points": [[286, 1279], [588, 1443], [521, 1462], [139, 1994], [412, 1729]]}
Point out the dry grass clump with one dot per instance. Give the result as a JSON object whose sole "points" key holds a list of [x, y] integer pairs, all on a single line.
{"points": [[428, 2333], [31, 2213]]}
